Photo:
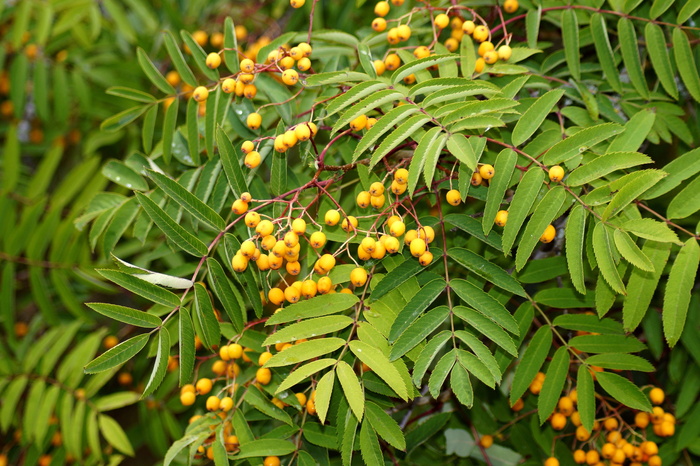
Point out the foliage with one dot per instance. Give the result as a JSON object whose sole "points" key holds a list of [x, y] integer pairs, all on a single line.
{"points": [[535, 294]]}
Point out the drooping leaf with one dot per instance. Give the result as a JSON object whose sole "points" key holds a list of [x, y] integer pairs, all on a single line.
{"points": [[186, 345], [623, 391], [309, 328], [553, 383], [152, 72], [570, 35], [304, 372], [305, 351], [487, 327], [117, 355], [504, 166], [126, 314], [524, 198], [678, 290], [630, 56], [604, 51], [418, 331], [380, 365], [637, 184], [605, 253], [417, 304], [586, 397], [606, 164], [385, 426], [430, 351], [687, 67], [631, 252], [351, 388], [686, 202], [641, 284], [114, 434], [580, 142], [487, 270], [161, 363], [531, 362], [545, 212], [316, 307], [532, 118], [620, 361], [205, 318], [660, 59], [607, 344], [484, 303]]}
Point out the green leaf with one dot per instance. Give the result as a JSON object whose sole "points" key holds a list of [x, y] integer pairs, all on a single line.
{"points": [[149, 124], [309, 328], [117, 355], [193, 130], [377, 99], [504, 166], [186, 345], [427, 148], [385, 426], [141, 287], [569, 29], [476, 367], [553, 383], [606, 164], [680, 284], [586, 397], [324, 389], [482, 352], [417, 304], [255, 397], [420, 64], [161, 363], [278, 174], [636, 131], [369, 445], [180, 445], [126, 315], [354, 94], [228, 295], [605, 253], [531, 362], [351, 388], [230, 46], [304, 351], [525, 195], [485, 303], [461, 385], [604, 52], [623, 391], [638, 183], [114, 434], [641, 284], [430, 351], [630, 56], [650, 229], [459, 146], [659, 7], [487, 270], [440, 372], [467, 53], [688, 10], [188, 201], [304, 372], [398, 276], [396, 137], [178, 59], [532, 26], [10, 397], [121, 119], [607, 344], [380, 364], [432, 158], [575, 235], [383, 125], [660, 59], [199, 56], [152, 72], [205, 317], [317, 306], [686, 202], [175, 233], [230, 158], [631, 252], [588, 323], [620, 361], [419, 331], [563, 298], [487, 327], [545, 212], [687, 67], [532, 119], [679, 169], [580, 142], [265, 447], [169, 123]]}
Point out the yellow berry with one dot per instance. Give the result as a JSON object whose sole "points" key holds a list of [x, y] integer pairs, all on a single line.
{"points": [[263, 375], [403, 32], [379, 24], [379, 67], [484, 47], [479, 65], [213, 60], [392, 61], [290, 77], [442, 21], [501, 218], [252, 159], [247, 147], [213, 403], [486, 441], [359, 123], [510, 6], [549, 234], [326, 262], [304, 64], [349, 224], [504, 52], [558, 421], [481, 33], [200, 94], [187, 398], [332, 217], [453, 197], [254, 121], [551, 461], [324, 285], [491, 57], [421, 52], [297, 3], [556, 174], [203, 386], [401, 176], [426, 258], [358, 277], [468, 27], [302, 132], [381, 9], [452, 44], [657, 396], [275, 296], [418, 246], [486, 171]]}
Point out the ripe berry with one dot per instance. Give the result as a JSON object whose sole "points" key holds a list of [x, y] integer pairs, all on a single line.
{"points": [[311, 406], [252, 159], [275, 296], [418, 247], [264, 228], [657, 396], [452, 44], [392, 61], [426, 258], [263, 375], [378, 201], [297, 3], [279, 144], [510, 6], [504, 52], [582, 434], [247, 146], [484, 47], [392, 245], [250, 91], [486, 441], [481, 33], [381, 9], [109, 341], [306, 48], [393, 36], [254, 121], [203, 386], [421, 52], [359, 123], [401, 176], [213, 403], [304, 64], [173, 78], [410, 79], [641, 420], [326, 262], [246, 78], [349, 224], [491, 57], [213, 60], [291, 294], [558, 421], [368, 244], [200, 94], [324, 285], [398, 188], [247, 65], [289, 139], [551, 461], [370, 122], [302, 132], [187, 398], [332, 217], [556, 174], [290, 77], [549, 234], [358, 277], [379, 67], [501, 218], [479, 65], [403, 32], [379, 24], [317, 239], [468, 27], [239, 263], [442, 21], [453, 197], [476, 178], [580, 456], [486, 171]]}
